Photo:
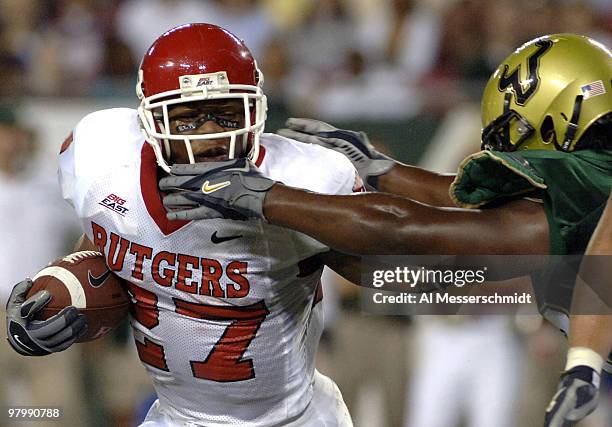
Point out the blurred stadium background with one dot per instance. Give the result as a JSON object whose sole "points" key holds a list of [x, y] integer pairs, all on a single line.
{"points": [[409, 72]]}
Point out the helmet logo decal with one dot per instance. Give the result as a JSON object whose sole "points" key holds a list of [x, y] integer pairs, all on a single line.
{"points": [[211, 81], [513, 80], [204, 81], [593, 89]]}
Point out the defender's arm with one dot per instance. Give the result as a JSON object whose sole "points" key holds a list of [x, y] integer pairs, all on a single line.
{"points": [[418, 184], [385, 224], [377, 170]]}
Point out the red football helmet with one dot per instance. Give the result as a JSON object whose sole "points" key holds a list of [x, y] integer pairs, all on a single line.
{"points": [[196, 62]]}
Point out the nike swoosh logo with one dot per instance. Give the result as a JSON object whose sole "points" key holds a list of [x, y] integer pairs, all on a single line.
{"points": [[96, 282], [207, 188], [216, 239], [21, 343]]}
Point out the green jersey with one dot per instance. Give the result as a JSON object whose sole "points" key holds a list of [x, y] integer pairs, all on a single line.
{"points": [[574, 188]]}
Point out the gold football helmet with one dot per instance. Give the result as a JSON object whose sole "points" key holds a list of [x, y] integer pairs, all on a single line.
{"points": [[546, 94]]}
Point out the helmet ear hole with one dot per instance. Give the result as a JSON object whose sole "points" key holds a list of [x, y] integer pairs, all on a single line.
{"points": [[547, 130]]}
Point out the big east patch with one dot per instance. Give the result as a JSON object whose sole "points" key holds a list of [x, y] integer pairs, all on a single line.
{"points": [[115, 204]]}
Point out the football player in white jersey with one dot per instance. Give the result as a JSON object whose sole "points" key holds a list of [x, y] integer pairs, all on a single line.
{"points": [[545, 142], [226, 314]]}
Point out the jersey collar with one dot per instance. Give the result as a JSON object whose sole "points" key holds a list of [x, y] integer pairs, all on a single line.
{"points": [[151, 195]]}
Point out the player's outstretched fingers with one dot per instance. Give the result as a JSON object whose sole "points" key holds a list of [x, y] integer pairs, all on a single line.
{"points": [[173, 183], [206, 167], [302, 137], [201, 212], [308, 125], [177, 200]]}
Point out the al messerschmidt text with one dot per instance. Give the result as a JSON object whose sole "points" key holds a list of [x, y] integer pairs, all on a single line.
{"points": [[437, 298]]}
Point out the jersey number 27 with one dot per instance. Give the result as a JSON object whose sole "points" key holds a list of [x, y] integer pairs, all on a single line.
{"points": [[224, 362]]}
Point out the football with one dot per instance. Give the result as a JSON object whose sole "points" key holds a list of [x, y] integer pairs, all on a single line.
{"points": [[83, 280]]}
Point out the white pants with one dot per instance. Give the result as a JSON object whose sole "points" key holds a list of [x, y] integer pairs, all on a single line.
{"points": [[470, 369], [326, 409]]}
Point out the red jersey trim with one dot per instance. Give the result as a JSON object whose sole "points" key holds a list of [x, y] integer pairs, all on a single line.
{"points": [[151, 195], [66, 143], [260, 156]]}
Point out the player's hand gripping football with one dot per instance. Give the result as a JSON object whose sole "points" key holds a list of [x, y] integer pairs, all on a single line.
{"points": [[576, 397], [233, 189], [354, 145], [40, 337]]}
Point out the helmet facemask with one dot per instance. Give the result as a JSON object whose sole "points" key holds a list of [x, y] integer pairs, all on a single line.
{"points": [[155, 120], [508, 131], [508, 127]]}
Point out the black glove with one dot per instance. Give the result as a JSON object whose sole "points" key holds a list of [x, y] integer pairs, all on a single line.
{"points": [[233, 189], [576, 397], [40, 337], [370, 164]]}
